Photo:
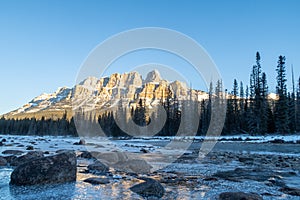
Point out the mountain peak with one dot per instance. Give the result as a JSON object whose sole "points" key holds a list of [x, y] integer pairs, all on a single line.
{"points": [[153, 76], [103, 93]]}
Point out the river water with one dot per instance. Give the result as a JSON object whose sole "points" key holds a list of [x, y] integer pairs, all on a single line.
{"points": [[118, 188]]}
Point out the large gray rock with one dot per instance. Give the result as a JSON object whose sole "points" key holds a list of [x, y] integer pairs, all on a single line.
{"points": [[98, 167], [13, 152], [27, 157], [59, 168], [10, 158], [290, 191], [123, 162], [239, 196], [3, 161], [255, 174], [86, 154], [110, 158], [133, 166], [96, 180], [149, 188]]}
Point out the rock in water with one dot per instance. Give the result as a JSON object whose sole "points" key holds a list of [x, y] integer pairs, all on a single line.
{"points": [[86, 154], [27, 157], [290, 191], [81, 142], [29, 147], [59, 168], [150, 188], [98, 167], [96, 180], [13, 152], [239, 196], [3, 161], [133, 166]]}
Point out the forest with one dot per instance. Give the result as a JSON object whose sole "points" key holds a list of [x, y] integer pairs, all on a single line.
{"points": [[248, 109]]}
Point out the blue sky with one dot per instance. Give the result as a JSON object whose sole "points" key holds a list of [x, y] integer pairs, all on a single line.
{"points": [[43, 43]]}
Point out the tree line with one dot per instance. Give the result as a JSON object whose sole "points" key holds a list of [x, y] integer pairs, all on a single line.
{"points": [[252, 111], [248, 109]]}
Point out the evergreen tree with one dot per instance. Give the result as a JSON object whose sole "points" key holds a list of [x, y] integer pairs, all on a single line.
{"points": [[292, 106], [298, 107], [281, 106], [235, 106], [291, 112], [258, 107], [242, 108], [264, 105]]}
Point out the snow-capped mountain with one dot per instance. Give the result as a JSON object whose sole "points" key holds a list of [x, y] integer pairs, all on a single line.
{"points": [[106, 92], [45, 101]]}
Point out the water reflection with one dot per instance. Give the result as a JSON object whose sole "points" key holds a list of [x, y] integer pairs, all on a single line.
{"points": [[54, 191], [116, 189]]}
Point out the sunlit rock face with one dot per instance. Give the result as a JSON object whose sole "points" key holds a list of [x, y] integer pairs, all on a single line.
{"points": [[178, 89], [107, 92], [153, 76]]}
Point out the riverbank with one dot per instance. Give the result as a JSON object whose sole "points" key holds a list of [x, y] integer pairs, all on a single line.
{"points": [[270, 170]]}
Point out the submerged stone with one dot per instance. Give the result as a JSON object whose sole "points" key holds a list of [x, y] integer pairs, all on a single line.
{"points": [[59, 168], [239, 196], [149, 188]]}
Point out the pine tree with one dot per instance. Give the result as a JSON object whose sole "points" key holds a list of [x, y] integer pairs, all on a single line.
{"points": [[292, 106], [291, 112], [229, 120], [298, 107], [242, 108], [264, 105], [281, 106], [235, 106], [257, 102]]}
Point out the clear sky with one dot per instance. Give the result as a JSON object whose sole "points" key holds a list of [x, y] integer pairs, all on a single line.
{"points": [[43, 43]]}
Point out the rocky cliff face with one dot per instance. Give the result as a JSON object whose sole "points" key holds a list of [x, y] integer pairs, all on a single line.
{"points": [[94, 93]]}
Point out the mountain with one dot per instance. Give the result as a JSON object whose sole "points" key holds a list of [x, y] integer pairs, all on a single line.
{"points": [[104, 93]]}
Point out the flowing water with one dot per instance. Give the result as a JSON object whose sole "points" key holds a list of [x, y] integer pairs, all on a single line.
{"points": [[118, 188]]}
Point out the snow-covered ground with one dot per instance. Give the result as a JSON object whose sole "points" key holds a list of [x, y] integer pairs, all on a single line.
{"points": [[246, 138], [118, 189]]}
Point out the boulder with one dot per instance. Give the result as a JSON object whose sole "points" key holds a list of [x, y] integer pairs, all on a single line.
{"points": [[144, 150], [29, 147], [255, 174], [246, 159], [149, 188], [81, 142], [98, 167], [239, 196], [133, 166], [86, 154], [13, 152], [3, 161], [59, 168], [110, 157], [10, 158], [96, 180], [290, 191], [277, 141], [27, 157], [61, 151]]}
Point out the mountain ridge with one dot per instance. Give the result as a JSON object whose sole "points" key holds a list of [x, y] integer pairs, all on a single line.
{"points": [[102, 93], [106, 92]]}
